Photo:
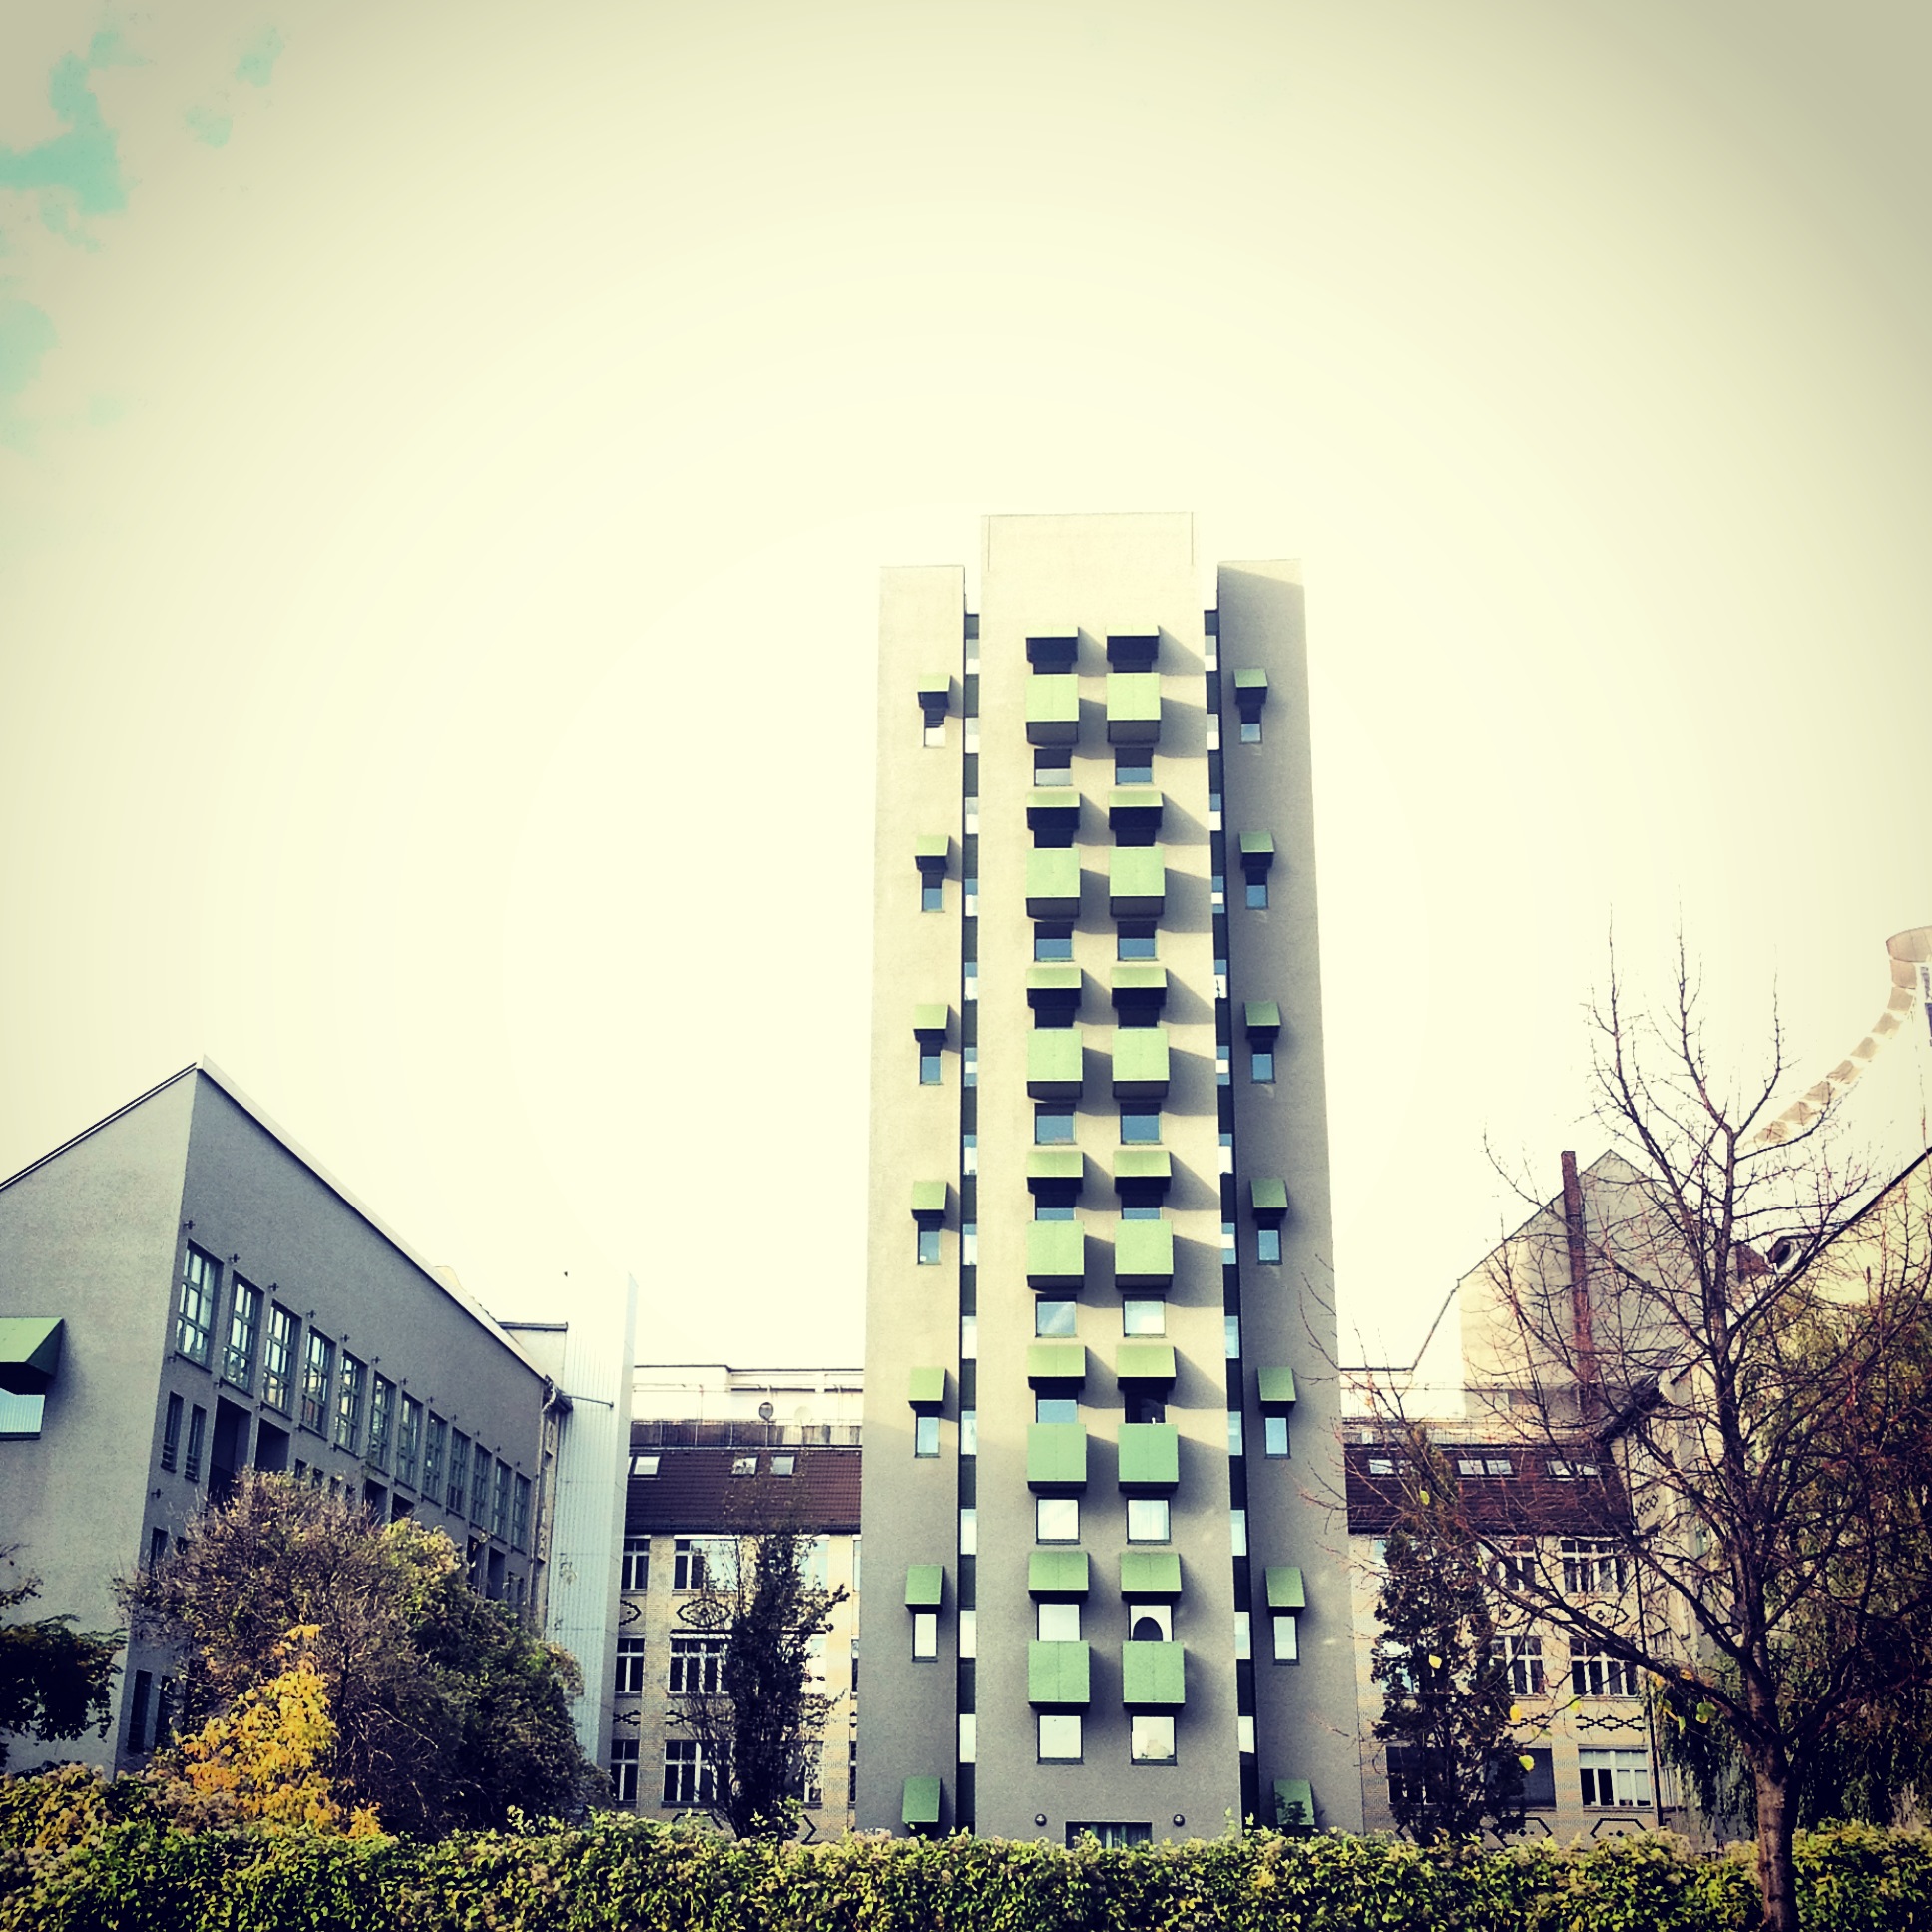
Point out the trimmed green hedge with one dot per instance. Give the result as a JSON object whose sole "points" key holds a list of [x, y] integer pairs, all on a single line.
{"points": [[68, 1864]]}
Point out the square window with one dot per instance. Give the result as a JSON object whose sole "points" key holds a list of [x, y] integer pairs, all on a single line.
{"points": [[1250, 730], [1135, 767], [1134, 939], [1267, 1246], [784, 1465], [1150, 1623], [1258, 895], [1153, 1739], [1148, 1519], [1056, 1623], [932, 895], [925, 1435], [1140, 1126], [929, 1247], [1052, 1126], [1053, 767], [1056, 1408], [1287, 1637], [1143, 1317], [925, 1633], [744, 1465], [1053, 942], [1060, 1737], [1056, 1519], [930, 1061], [1275, 1435], [1260, 1064], [1054, 1318]]}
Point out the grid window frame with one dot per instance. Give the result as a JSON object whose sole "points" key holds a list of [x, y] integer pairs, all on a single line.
{"points": [[197, 1294]]}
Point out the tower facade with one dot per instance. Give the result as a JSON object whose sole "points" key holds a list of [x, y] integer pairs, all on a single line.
{"points": [[1103, 1474]]}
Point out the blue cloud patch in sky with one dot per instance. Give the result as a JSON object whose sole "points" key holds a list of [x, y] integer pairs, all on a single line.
{"points": [[26, 335], [257, 62], [76, 172]]}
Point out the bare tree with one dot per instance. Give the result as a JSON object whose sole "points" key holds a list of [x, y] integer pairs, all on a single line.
{"points": [[1718, 1333]]}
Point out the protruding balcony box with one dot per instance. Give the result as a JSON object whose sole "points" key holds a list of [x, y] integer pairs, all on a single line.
{"points": [[1262, 1019], [1057, 1674], [1054, 990], [1135, 809], [1149, 1575], [1144, 1364], [920, 1806], [1139, 989], [1053, 882], [930, 1022], [1269, 1196], [1062, 1363], [1132, 707], [1053, 708], [1250, 692], [1136, 881], [931, 852], [1055, 1173], [1139, 1063], [1053, 808], [1144, 1172], [1058, 1574], [1258, 853], [1276, 1389], [1054, 1063], [1285, 1591], [926, 1388], [925, 1586], [928, 1203], [1294, 1804], [936, 690], [30, 1352], [1153, 1675], [1056, 1255], [1143, 1255], [1056, 1458], [1150, 1458]]}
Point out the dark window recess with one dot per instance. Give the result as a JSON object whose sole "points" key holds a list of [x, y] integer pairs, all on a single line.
{"points": [[1053, 942], [1133, 652], [144, 1688], [171, 1430]]}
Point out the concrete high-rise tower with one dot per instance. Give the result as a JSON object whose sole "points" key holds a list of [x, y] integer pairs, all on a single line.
{"points": [[1104, 1548]]}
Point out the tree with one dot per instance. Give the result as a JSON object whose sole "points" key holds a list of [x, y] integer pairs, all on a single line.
{"points": [[411, 1659], [55, 1681], [1735, 1328], [1445, 1688], [750, 1704]]}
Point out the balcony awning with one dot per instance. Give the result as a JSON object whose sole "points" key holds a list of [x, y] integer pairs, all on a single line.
{"points": [[1052, 1169], [1056, 1255], [1143, 1255], [1144, 1361], [1150, 1574], [1150, 1457], [1269, 1196], [30, 1352], [1057, 1673], [1056, 1457], [1057, 1573], [1284, 1590], [1261, 1017], [1052, 989], [1153, 1675], [1052, 808], [922, 1801], [1133, 708], [1275, 1388], [1056, 1361], [1135, 808], [1140, 1062], [1146, 1170], [928, 1199], [1054, 1065], [929, 1022], [925, 1586], [1257, 852], [926, 1388], [1250, 690], [931, 852], [935, 691], [1052, 708], [1136, 881], [1137, 985], [1053, 882]]}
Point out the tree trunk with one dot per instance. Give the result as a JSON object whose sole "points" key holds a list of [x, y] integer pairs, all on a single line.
{"points": [[1777, 1872]]}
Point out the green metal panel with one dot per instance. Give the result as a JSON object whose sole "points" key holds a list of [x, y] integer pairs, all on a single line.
{"points": [[1144, 1361], [1150, 1573], [925, 1586], [1136, 881], [1262, 1016], [1054, 1063], [1135, 808], [1294, 1803], [1270, 1194], [1153, 1675], [1056, 1163], [1132, 707], [935, 687], [1056, 1254], [1053, 882], [1257, 852], [1053, 979], [1057, 1673], [30, 1352], [1141, 1065], [933, 849], [1056, 1456], [1284, 1590], [1143, 1255], [1056, 1361], [928, 1197], [1057, 1573], [1143, 1163], [1276, 1388], [1138, 978], [1150, 1456], [926, 1388], [931, 1019], [921, 1805], [1051, 708], [1250, 678], [1052, 805]]}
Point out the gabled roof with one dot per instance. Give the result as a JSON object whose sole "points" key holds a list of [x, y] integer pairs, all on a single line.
{"points": [[1529, 1501], [695, 1492]]}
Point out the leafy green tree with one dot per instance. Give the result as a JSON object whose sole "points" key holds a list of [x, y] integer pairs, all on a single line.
{"points": [[757, 1718], [1445, 1691], [55, 1681]]}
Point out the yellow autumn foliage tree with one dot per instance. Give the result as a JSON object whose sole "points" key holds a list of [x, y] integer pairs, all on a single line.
{"points": [[264, 1759]]}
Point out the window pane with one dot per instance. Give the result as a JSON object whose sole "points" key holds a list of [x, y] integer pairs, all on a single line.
{"points": [[1140, 1125], [1143, 1317], [1052, 1317], [1053, 942], [1052, 1126], [1147, 1518], [1059, 1738], [1056, 1519], [1153, 1740], [925, 1435], [1059, 1623], [1056, 1408]]}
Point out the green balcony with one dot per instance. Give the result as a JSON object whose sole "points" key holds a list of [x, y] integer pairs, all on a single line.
{"points": [[1057, 1674], [1054, 1065], [1056, 1458], [1268, 1196], [1148, 1169], [920, 1806], [30, 1352], [1294, 1804], [929, 1201], [1145, 1363], [931, 852], [1140, 1062], [1136, 881], [1056, 1255], [926, 1388], [1150, 1575], [1057, 1573], [1150, 1458], [1153, 1675], [1133, 708], [1252, 684], [1053, 808], [1056, 1361], [1054, 989], [1053, 882], [935, 691], [1136, 983], [1052, 708], [1257, 852], [925, 1586], [1262, 1016], [1276, 1389], [1285, 1591], [931, 1020], [1055, 1169], [1143, 1255], [1135, 810]]}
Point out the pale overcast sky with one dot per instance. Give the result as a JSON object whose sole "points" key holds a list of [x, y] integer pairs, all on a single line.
{"points": [[446, 453]]}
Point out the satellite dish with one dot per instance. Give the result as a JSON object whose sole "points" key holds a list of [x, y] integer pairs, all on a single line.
{"points": [[765, 1412]]}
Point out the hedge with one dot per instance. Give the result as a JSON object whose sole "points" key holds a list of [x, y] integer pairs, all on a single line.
{"points": [[79, 1857]]}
